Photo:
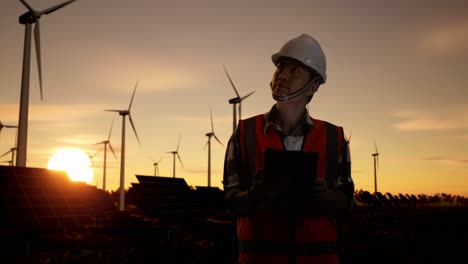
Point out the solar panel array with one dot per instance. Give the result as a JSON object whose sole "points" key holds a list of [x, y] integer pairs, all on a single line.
{"points": [[165, 198], [34, 199], [211, 198]]}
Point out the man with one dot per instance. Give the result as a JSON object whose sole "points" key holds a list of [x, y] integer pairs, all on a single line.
{"points": [[287, 219]]}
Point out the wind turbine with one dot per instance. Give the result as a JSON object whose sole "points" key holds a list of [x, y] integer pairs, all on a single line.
{"points": [[348, 139], [6, 126], [12, 151], [234, 101], [174, 154], [124, 113], [10, 162], [106, 142], [208, 143], [376, 164], [155, 164], [91, 157], [27, 19]]}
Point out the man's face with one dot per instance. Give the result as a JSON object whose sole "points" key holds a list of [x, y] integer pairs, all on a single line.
{"points": [[290, 76]]}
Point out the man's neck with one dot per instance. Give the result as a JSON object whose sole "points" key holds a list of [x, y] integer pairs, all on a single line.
{"points": [[288, 116]]}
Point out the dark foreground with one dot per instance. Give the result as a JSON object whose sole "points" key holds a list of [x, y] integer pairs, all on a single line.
{"points": [[46, 218], [423, 234]]}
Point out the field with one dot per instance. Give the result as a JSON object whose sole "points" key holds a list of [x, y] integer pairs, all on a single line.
{"points": [[423, 234], [69, 222]]}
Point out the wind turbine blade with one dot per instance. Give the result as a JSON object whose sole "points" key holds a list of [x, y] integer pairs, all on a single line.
{"points": [[242, 98], [160, 158], [113, 110], [230, 80], [211, 117], [110, 131], [27, 5], [239, 107], [6, 153], [134, 130], [178, 157], [375, 144], [217, 139], [133, 95], [37, 40], [206, 144], [97, 152], [178, 144], [58, 6], [110, 146]]}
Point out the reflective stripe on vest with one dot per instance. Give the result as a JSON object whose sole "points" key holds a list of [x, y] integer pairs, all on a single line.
{"points": [[264, 234]]}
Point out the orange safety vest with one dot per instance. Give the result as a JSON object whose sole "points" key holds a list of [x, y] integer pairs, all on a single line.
{"points": [[264, 237]]}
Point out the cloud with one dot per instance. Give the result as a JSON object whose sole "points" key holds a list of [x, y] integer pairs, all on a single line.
{"points": [[449, 119], [450, 39], [444, 159], [50, 112], [153, 73], [434, 158], [63, 112]]}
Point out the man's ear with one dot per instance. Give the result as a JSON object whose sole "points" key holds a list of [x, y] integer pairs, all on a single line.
{"points": [[313, 87]]}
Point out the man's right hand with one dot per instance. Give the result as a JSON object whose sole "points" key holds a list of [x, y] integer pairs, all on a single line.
{"points": [[267, 195]]}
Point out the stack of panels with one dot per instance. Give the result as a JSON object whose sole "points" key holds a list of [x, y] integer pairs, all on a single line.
{"points": [[164, 197], [34, 199], [211, 198]]}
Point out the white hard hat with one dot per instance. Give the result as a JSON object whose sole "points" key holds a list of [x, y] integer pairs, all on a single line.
{"points": [[307, 50]]}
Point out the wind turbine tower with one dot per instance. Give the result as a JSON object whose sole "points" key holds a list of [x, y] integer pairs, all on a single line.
{"points": [[208, 143], [376, 164], [106, 142], [234, 101], [27, 19], [174, 154], [124, 113]]}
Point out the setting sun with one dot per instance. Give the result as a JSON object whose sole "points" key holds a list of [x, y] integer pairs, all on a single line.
{"points": [[75, 162]]}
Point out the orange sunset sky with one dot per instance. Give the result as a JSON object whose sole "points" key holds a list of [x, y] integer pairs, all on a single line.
{"points": [[397, 74]]}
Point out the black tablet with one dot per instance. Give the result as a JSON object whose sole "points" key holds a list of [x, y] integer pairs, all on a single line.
{"points": [[290, 167]]}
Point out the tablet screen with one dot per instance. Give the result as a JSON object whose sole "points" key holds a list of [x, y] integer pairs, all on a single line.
{"points": [[290, 167]]}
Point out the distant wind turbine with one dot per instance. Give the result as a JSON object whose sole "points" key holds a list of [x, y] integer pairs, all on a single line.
{"points": [[174, 154], [106, 142], [6, 126], [91, 157], [376, 165], [12, 151], [123, 113], [208, 143], [155, 164], [27, 19], [234, 101], [10, 162], [348, 139]]}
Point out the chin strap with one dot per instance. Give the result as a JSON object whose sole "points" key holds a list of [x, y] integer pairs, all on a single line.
{"points": [[286, 97]]}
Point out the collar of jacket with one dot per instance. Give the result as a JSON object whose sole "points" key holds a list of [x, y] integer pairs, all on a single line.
{"points": [[271, 124]]}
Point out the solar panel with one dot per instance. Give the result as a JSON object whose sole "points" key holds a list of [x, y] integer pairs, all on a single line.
{"points": [[164, 197], [211, 198], [35, 199]]}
